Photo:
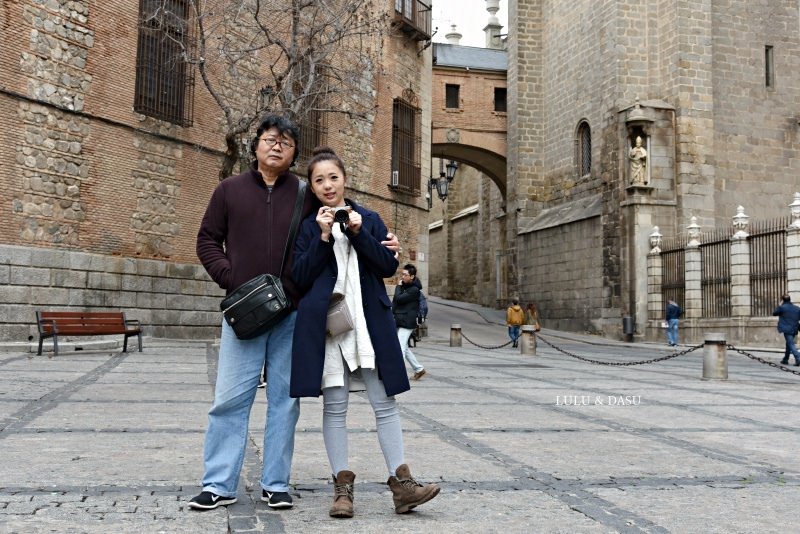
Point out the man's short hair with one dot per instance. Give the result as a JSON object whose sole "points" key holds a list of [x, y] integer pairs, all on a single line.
{"points": [[786, 298], [284, 125], [515, 301], [411, 269]]}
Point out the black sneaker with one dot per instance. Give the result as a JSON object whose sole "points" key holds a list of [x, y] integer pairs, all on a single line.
{"points": [[208, 501], [277, 499]]}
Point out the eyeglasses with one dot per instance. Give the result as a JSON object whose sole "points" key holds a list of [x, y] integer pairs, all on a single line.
{"points": [[271, 142]]}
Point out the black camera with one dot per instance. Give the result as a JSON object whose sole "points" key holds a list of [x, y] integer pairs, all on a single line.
{"points": [[341, 215]]}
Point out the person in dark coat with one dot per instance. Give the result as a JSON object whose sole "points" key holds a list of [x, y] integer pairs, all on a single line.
{"points": [[405, 306], [338, 251], [788, 319], [672, 317]]}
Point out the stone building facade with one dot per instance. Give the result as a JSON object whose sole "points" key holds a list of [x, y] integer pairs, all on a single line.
{"points": [[468, 249], [100, 204], [711, 89]]}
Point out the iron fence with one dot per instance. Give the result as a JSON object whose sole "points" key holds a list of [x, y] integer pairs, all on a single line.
{"points": [[673, 281], [767, 264], [715, 280]]}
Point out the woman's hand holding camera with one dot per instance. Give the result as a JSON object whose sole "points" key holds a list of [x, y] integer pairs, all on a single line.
{"points": [[355, 222], [347, 217], [325, 222]]}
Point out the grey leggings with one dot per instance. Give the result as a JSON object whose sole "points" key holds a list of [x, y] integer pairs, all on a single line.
{"points": [[387, 421]]}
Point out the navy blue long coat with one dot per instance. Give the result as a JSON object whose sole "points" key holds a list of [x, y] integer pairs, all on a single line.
{"points": [[315, 271]]}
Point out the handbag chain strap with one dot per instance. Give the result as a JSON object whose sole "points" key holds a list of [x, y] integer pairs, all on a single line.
{"points": [[298, 209]]}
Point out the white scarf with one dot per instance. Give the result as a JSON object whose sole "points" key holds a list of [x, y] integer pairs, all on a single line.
{"points": [[355, 346]]}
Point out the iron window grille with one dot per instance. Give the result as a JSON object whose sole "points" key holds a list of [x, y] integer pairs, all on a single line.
{"points": [[313, 133], [164, 79], [584, 155], [406, 145], [414, 18]]}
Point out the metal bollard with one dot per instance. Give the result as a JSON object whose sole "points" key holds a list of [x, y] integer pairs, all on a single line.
{"points": [[527, 345], [455, 335], [715, 357]]}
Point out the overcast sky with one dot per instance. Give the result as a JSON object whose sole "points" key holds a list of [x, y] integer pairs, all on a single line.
{"points": [[469, 16]]}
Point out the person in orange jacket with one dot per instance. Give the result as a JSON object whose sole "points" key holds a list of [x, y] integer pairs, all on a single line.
{"points": [[515, 318]]}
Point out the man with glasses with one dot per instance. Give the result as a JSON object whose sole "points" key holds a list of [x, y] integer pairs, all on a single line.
{"points": [[243, 234]]}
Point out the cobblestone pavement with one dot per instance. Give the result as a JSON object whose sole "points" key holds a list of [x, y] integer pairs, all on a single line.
{"points": [[100, 441]]}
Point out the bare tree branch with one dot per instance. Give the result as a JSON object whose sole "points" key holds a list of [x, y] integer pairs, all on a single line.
{"points": [[298, 57]]}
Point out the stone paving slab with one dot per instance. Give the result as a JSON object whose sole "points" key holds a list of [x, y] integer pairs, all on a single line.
{"points": [[112, 392], [141, 415], [104, 441], [106, 458], [741, 507]]}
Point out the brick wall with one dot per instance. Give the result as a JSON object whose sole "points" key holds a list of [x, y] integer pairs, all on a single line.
{"points": [[91, 187]]}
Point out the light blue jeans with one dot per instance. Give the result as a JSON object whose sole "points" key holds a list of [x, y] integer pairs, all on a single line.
{"points": [[238, 370], [402, 335], [672, 331]]}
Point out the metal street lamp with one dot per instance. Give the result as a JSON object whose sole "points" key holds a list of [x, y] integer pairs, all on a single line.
{"points": [[442, 183], [452, 167]]}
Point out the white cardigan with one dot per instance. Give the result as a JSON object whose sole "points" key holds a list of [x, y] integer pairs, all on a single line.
{"points": [[353, 347]]}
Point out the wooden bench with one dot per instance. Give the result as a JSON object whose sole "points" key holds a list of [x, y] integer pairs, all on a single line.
{"points": [[82, 323]]}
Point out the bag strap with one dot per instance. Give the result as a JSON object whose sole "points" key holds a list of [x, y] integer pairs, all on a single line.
{"points": [[298, 210]]}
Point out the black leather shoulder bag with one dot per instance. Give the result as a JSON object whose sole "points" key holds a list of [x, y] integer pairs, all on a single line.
{"points": [[261, 303]]}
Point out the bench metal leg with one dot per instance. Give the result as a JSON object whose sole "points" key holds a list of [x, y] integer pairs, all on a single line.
{"points": [[41, 340], [139, 335], [55, 345], [125, 345]]}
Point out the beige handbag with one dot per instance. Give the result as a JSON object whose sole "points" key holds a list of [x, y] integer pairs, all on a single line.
{"points": [[340, 320]]}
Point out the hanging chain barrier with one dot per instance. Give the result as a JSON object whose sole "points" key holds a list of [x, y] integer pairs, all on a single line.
{"points": [[621, 364], [484, 347], [784, 368], [539, 337]]}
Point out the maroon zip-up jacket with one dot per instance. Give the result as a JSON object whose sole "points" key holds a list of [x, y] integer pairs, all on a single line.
{"points": [[244, 230]]}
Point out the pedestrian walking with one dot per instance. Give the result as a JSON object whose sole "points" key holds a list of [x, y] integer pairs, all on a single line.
{"points": [[338, 252], [788, 318], [673, 312], [532, 317], [515, 318], [405, 307]]}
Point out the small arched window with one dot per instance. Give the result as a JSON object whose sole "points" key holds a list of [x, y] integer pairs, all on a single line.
{"points": [[583, 144]]}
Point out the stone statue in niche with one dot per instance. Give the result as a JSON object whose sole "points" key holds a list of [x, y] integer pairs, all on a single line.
{"points": [[638, 162]]}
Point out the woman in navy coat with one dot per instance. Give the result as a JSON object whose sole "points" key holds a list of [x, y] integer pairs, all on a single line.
{"points": [[338, 251]]}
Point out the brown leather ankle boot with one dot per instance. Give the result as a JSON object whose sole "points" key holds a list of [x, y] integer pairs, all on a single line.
{"points": [[407, 492], [342, 494]]}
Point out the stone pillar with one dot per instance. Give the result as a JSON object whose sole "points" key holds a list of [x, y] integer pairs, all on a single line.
{"points": [[715, 357], [527, 342], [455, 335], [740, 266], [793, 261], [493, 27], [693, 273], [655, 275], [793, 250]]}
